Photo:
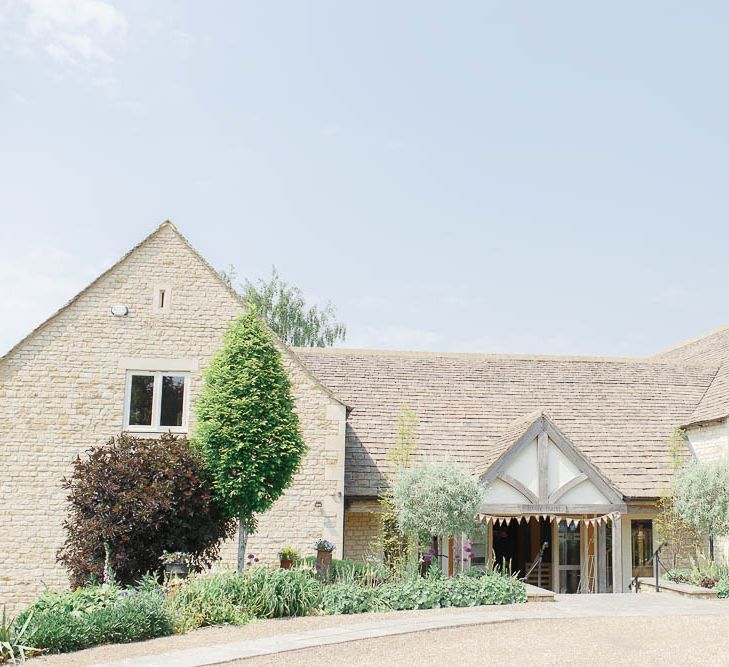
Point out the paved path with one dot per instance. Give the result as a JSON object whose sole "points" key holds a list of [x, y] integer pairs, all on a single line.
{"points": [[565, 607]]}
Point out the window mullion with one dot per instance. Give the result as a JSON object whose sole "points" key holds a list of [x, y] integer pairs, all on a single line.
{"points": [[157, 401]]}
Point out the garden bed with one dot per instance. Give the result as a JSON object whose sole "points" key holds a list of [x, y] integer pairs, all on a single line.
{"points": [[108, 614], [706, 576], [648, 585]]}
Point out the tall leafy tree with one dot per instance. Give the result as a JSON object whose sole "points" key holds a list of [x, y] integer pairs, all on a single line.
{"points": [[285, 310], [247, 429], [394, 545]]}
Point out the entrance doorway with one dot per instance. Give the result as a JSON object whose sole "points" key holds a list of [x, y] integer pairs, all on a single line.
{"points": [[516, 544], [569, 557]]}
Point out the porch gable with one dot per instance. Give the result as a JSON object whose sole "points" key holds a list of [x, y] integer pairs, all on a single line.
{"points": [[540, 471]]}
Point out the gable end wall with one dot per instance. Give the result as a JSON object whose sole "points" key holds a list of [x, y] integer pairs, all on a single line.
{"points": [[62, 391]]}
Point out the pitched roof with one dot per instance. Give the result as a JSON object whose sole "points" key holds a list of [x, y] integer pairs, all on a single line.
{"points": [[711, 349], [167, 226], [714, 403], [618, 412], [500, 445]]}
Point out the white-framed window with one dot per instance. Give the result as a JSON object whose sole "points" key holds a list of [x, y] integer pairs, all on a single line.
{"points": [[156, 401]]}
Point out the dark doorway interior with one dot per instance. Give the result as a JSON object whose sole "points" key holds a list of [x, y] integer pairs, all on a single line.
{"points": [[517, 544]]}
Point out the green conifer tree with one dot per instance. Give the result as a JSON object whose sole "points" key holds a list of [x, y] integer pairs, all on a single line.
{"points": [[247, 428]]}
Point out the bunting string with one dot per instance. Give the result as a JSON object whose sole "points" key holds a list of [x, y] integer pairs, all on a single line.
{"points": [[570, 520]]}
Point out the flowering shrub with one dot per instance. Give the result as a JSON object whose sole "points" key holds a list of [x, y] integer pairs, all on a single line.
{"points": [[323, 545], [288, 553]]}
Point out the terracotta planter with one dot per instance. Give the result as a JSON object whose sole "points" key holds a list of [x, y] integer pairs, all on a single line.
{"points": [[324, 563], [286, 563]]}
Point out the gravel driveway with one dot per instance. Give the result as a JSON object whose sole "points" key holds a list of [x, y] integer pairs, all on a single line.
{"points": [[674, 640]]}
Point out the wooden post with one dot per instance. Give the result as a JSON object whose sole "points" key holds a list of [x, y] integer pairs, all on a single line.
{"points": [[555, 555], [490, 546], [543, 466], [601, 561], [618, 554], [584, 557]]}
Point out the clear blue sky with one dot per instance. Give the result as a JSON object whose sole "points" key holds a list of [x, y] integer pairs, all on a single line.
{"points": [[526, 177]]}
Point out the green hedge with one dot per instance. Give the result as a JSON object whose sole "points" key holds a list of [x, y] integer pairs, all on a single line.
{"points": [[430, 593]]}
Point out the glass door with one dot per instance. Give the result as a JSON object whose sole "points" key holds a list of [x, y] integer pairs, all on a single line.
{"points": [[569, 558], [641, 534]]}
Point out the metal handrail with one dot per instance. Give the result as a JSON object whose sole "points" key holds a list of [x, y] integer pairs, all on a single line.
{"points": [[656, 559], [537, 563]]}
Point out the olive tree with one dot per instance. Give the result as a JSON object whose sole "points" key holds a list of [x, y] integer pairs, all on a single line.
{"points": [[701, 497], [436, 500], [247, 428]]}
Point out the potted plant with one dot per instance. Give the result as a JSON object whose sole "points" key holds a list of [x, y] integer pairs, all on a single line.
{"points": [[287, 556], [324, 550], [177, 564]]}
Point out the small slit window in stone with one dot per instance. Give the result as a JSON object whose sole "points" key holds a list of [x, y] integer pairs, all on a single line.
{"points": [[161, 299]]}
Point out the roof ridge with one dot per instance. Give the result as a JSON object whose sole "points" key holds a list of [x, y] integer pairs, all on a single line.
{"points": [[691, 341], [497, 356]]}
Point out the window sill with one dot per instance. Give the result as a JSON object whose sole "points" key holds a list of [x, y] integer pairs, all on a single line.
{"points": [[177, 430]]}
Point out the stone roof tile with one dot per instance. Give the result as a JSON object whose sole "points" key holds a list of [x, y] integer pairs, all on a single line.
{"points": [[710, 349], [618, 412]]}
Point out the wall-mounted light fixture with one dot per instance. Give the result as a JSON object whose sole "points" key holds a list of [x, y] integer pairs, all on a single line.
{"points": [[119, 311], [317, 504]]}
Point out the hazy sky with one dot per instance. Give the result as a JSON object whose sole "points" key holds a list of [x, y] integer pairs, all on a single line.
{"points": [[526, 177]]}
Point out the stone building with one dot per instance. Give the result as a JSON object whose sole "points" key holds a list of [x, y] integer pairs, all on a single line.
{"points": [[570, 451]]}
